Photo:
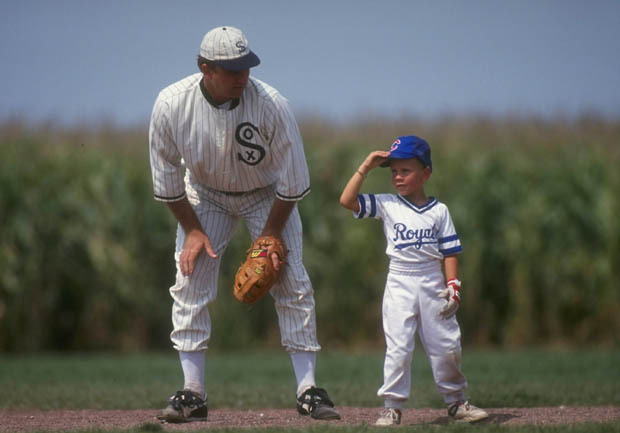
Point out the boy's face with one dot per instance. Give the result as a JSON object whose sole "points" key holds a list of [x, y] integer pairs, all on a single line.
{"points": [[409, 175]]}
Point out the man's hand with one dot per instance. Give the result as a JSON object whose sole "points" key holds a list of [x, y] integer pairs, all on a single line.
{"points": [[195, 242], [257, 274], [196, 239], [278, 215], [275, 259]]}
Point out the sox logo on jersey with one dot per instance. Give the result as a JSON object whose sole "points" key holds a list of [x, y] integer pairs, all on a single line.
{"points": [[244, 134]]}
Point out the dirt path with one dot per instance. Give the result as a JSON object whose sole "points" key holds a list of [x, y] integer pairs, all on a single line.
{"points": [[65, 420]]}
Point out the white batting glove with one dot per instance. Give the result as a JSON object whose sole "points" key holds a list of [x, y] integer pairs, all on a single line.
{"points": [[452, 294]]}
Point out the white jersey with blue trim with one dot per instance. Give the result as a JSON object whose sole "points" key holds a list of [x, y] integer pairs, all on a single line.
{"points": [[415, 235]]}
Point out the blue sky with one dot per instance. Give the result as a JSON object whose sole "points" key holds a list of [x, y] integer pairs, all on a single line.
{"points": [[89, 61]]}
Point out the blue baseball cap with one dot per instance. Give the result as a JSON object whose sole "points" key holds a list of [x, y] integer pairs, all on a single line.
{"points": [[410, 146]]}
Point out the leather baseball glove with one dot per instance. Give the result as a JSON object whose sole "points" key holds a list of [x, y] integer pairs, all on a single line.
{"points": [[257, 275]]}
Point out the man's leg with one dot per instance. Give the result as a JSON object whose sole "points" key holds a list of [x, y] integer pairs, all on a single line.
{"points": [[304, 365], [190, 315], [193, 365], [294, 301]]}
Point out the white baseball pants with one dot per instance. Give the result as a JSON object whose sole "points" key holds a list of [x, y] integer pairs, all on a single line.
{"points": [[410, 305]]}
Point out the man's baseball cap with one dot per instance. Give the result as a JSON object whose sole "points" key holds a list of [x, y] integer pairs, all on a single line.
{"points": [[408, 147], [229, 48]]}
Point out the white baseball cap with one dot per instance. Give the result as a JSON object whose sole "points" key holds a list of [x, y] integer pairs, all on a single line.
{"points": [[229, 48]]}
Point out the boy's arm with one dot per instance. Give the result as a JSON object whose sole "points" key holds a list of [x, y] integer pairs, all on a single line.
{"points": [[452, 292], [451, 267], [348, 198]]}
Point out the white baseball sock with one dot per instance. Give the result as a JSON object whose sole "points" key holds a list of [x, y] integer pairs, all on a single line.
{"points": [[393, 404], [193, 365], [304, 364]]}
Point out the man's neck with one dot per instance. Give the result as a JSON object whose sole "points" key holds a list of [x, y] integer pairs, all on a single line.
{"points": [[232, 103]]}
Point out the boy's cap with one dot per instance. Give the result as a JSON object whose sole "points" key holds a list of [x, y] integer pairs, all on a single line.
{"points": [[410, 146], [229, 48]]}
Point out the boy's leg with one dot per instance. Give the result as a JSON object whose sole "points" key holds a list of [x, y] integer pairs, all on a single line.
{"points": [[442, 341], [400, 321]]}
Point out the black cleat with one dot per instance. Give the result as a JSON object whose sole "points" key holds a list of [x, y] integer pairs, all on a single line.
{"points": [[184, 406], [316, 403]]}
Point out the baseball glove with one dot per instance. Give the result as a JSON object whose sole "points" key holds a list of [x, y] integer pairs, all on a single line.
{"points": [[257, 275]]}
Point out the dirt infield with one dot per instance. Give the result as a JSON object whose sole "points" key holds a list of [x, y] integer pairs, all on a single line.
{"points": [[65, 420]]}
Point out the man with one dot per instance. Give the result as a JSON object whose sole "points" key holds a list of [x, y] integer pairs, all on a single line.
{"points": [[224, 146]]}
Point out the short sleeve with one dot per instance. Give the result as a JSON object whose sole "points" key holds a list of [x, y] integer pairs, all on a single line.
{"points": [[448, 240], [167, 167], [370, 207], [294, 180]]}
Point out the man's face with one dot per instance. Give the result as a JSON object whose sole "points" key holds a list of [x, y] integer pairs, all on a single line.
{"points": [[224, 85]]}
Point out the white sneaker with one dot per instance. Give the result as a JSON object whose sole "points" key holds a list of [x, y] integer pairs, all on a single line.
{"points": [[466, 412], [389, 416]]}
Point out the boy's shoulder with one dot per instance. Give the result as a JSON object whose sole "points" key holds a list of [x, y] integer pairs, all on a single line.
{"points": [[382, 196], [381, 199], [432, 202], [396, 202]]}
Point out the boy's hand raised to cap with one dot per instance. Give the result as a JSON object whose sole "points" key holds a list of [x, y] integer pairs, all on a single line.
{"points": [[373, 160]]}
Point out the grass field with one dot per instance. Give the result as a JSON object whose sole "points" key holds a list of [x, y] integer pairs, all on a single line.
{"points": [[497, 378]]}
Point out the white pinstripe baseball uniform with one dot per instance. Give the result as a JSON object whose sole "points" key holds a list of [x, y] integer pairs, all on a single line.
{"points": [[418, 238], [225, 146], [231, 163]]}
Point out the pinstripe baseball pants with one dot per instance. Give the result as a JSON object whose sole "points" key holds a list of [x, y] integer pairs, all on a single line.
{"points": [[219, 213]]}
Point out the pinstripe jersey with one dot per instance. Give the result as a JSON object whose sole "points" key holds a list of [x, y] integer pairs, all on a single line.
{"points": [[253, 144], [415, 235]]}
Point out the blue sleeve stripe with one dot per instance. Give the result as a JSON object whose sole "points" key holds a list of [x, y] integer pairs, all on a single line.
{"points": [[360, 199], [451, 251], [448, 239], [373, 205]]}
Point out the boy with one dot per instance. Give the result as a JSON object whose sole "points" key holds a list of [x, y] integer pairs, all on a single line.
{"points": [[420, 235]]}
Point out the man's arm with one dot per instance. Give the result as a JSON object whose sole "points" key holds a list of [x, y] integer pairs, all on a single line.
{"points": [[195, 238], [278, 216]]}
